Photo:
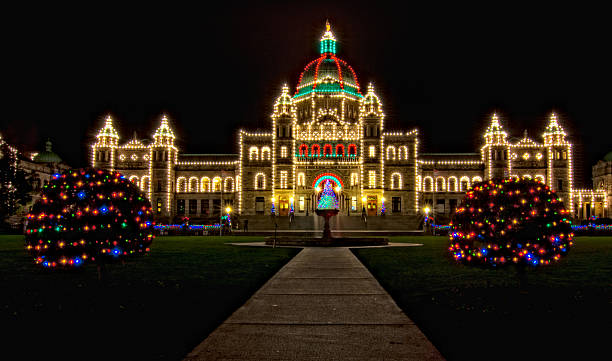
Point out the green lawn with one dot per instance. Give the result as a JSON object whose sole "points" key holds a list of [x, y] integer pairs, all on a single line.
{"points": [[157, 307], [476, 314]]}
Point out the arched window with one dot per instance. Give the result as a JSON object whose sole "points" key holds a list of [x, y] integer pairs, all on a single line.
{"points": [[193, 184], [527, 176], [260, 181], [301, 179], [440, 184], [540, 178], [464, 184], [396, 181], [340, 150], [327, 150], [228, 184], [354, 179], [390, 152], [134, 179], [428, 184], [352, 149], [452, 184], [181, 185], [253, 153], [316, 150], [304, 150], [476, 179], [402, 153], [216, 184], [205, 184], [265, 153], [145, 183]]}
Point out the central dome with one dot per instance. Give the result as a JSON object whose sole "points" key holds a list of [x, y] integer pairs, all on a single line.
{"points": [[328, 74]]}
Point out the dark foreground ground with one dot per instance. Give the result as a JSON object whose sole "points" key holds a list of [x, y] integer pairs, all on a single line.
{"points": [[158, 307], [161, 306], [475, 314]]}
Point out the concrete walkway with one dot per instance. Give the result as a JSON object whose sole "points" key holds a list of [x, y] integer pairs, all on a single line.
{"points": [[322, 305]]}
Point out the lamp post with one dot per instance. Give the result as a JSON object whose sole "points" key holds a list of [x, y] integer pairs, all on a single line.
{"points": [[426, 210]]}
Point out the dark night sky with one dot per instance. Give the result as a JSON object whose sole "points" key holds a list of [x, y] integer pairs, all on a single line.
{"points": [[441, 68]]}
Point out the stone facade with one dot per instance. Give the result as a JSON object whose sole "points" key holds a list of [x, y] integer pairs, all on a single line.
{"points": [[329, 130]]}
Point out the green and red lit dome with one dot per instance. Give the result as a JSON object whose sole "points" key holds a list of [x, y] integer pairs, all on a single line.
{"points": [[328, 74]]}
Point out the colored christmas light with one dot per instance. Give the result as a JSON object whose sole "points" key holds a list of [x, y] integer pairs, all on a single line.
{"points": [[88, 215], [510, 221], [328, 199]]}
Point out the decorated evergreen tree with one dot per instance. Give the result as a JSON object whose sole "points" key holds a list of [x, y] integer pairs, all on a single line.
{"points": [[88, 215], [328, 199], [511, 221]]}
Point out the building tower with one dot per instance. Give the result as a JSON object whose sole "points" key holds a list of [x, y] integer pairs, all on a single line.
{"points": [[283, 149], [495, 152], [559, 173], [104, 149], [372, 149], [163, 157]]}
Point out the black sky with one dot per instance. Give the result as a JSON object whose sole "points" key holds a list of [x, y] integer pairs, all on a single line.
{"points": [[441, 68]]}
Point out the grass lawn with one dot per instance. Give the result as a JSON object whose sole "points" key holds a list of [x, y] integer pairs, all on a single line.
{"points": [[475, 314], [158, 307]]}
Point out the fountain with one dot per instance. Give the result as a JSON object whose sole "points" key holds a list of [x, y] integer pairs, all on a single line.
{"points": [[327, 207]]}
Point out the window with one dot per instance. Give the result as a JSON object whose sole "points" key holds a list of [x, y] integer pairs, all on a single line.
{"points": [[396, 181], [353, 204], [193, 206], [452, 184], [440, 184], [253, 153], [265, 153], [259, 205], [204, 207], [304, 150], [564, 154], [372, 179], [316, 150], [559, 185], [145, 183], [301, 180], [205, 184], [283, 179], [216, 206], [216, 184], [180, 206], [340, 150], [452, 204], [402, 153], [193, 184], [159, 186], [327, 150], [372, 151], [390, 152], [464, 184], [228, 184], [181, 185], [428, 184], [352, 149], [283, 152], [354, 179], [440, 205], [396, 204], [301, 204], [260, 181]]}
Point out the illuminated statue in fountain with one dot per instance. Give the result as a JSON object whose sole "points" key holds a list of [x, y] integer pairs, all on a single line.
{"points": [[327, 206]]}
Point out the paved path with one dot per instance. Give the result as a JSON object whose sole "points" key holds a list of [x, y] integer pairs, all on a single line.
{"points": [[322, 305]]}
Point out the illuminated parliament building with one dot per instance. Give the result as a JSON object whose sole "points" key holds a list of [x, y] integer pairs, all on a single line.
{"points": [[331, 129]]}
